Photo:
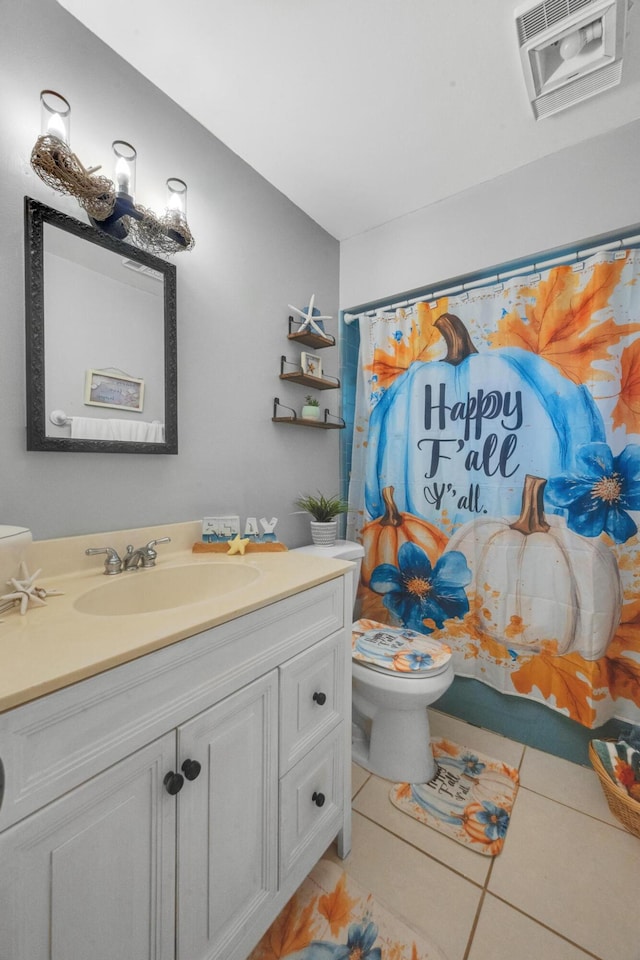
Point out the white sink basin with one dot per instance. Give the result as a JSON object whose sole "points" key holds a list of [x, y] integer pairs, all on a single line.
{"points": [[163, 588]]}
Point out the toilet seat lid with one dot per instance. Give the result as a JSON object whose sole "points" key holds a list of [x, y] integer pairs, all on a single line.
{"points": [[397, 650]]}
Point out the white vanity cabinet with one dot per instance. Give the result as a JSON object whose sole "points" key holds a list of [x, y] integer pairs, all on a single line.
{"points": [[249, 724]]}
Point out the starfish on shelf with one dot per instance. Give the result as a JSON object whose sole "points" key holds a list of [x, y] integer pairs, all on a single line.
{"points": [[26, 592], [309, 320]]}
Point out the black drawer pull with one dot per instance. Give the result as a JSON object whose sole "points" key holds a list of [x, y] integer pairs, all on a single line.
{"points": [[320, 698], [173, 782], [191, 769], [318, 799]]}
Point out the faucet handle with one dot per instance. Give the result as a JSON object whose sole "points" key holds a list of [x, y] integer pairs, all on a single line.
{"points": [[113, 563], [149, 555], [152, 543]]}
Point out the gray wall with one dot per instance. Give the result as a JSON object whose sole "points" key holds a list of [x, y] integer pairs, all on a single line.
{"points": [[255, 253], [579, 192]]}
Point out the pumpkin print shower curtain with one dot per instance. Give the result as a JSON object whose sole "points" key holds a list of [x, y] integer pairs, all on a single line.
{"points": [[495, 481]]}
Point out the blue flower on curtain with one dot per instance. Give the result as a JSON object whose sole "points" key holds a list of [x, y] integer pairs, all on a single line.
{"points": [[599, 493], [415, 591]]}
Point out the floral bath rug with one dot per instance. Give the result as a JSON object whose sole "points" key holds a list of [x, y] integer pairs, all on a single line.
{"points": [[331, 917], [470, 799]]}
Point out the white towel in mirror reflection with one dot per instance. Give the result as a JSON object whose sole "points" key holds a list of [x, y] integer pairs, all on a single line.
{"points": [[91, 428]]}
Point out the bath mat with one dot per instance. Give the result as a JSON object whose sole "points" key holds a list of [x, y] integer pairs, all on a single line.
{"points": [[331, 916], [470, 799]]}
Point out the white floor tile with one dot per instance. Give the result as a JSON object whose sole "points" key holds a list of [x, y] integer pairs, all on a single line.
{"points": [[574, 874], [504, 934], [563, 888], [566, 782], [359, 777], [430, 897], [485, 741], [373, 802]]}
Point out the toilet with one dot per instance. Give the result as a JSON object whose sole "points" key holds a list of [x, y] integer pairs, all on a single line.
{"points": [[396, 674]]}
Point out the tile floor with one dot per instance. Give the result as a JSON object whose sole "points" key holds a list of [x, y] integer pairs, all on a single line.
{"points": [[566, 885]]}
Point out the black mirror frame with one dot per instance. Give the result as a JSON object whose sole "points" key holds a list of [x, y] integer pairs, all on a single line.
{"points": [[36, 214]]}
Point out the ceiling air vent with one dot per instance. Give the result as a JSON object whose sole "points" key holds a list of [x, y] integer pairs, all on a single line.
{"points": [[570, 50]]}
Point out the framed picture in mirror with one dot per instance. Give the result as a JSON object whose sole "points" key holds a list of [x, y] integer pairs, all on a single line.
{"points": [[113, 390]]}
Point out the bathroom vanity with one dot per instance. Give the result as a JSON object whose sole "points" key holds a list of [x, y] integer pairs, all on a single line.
{"points": [[170, 805]]}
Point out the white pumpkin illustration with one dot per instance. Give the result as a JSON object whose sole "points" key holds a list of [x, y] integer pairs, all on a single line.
{"points": [[539, 582]]}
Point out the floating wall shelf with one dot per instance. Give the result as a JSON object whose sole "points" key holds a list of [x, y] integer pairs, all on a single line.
{"points": [[326, 424], [306, 379], [311, 339]]}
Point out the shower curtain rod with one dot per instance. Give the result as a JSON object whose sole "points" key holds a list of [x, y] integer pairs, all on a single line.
{"points": [[473, 281]]}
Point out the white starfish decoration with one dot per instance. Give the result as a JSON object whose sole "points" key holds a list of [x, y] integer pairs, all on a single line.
{"points": [[26, 591], [309, 319]]}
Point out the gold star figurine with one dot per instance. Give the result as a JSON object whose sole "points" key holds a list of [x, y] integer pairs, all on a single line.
{"points": [[237, 545]]}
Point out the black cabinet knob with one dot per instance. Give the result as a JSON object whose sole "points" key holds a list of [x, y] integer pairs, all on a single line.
{"points": [[191, 769], [318, 799], [320, 698], [173, 782]]}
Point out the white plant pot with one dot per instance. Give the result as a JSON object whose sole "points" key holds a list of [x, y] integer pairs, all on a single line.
{"points": [[324, 534], [311, 413]]}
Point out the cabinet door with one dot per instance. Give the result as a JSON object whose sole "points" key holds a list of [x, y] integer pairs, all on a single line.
{"points": [[93, 874], [228, 822]]}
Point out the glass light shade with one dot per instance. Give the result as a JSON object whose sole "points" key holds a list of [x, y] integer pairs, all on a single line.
{"points": [[55, 116], [125, 168], [176, 200]]}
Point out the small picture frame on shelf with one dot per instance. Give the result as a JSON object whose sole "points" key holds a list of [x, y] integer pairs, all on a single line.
{"points": [[311, 365]]}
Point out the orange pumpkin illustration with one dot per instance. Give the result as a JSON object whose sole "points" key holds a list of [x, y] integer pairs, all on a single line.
{"points": [[382, 538]]}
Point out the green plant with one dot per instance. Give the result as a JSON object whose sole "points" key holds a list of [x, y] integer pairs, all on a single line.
{"points": [[311, 401], [322, 508]]}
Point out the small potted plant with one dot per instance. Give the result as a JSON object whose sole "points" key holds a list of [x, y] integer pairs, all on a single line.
{"points": [[323, 510], [311, 408]]}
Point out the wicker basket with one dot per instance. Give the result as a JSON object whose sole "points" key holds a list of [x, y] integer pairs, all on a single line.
{"points": [[622, 806]]}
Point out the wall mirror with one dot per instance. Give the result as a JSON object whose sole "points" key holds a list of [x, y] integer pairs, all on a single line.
{"points": [[101, 340]]}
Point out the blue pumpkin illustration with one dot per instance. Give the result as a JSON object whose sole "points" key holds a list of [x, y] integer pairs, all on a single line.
{"points": [[460, 434]]}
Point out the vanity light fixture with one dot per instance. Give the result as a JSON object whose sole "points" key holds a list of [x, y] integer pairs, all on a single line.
{"points": [[111, 205]]}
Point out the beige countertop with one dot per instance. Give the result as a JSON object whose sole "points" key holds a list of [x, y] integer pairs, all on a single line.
{"points": [[55, 645]]}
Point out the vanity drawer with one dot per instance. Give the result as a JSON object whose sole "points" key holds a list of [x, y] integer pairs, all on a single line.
{"points": [[311, 803], [312, 698]]}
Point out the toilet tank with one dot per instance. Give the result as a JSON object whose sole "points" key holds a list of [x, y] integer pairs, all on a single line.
{"points": [[340, 550]]}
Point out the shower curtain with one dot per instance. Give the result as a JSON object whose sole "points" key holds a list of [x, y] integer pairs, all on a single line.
{"points": [[495, 481]]}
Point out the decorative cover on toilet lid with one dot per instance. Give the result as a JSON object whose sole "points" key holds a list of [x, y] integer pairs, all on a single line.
{"points": [[397, 649]]}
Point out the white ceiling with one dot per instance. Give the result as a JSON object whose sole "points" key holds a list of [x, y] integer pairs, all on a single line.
{"points": [[360, 111]]}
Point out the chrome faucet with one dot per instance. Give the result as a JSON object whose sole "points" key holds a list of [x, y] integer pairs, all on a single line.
{"points": [[143, 555], [132, 559]]}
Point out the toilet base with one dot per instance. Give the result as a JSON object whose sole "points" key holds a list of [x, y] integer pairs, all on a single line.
{"points": [[392, 737], [398, 748]]}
